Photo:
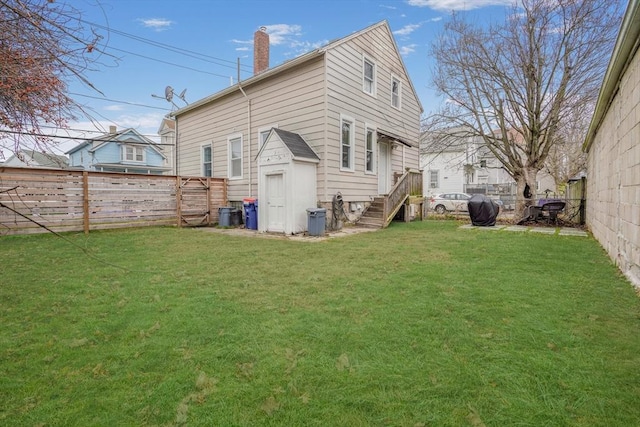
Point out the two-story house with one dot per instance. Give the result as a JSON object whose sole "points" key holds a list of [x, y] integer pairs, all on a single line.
{"points": [[120, 151], [350, 102]]}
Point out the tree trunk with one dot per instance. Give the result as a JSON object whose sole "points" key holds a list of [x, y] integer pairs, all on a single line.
{"points": [[526, 193]]}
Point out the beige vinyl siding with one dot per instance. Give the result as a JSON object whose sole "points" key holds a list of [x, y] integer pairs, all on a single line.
{"points": [[293, 99], [345, 96]]}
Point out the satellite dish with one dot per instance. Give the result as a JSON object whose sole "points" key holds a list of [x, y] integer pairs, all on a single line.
{"points": [[168, 93], [181, 96]]}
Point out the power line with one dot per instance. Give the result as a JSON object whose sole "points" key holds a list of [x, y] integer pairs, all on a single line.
{"points": [[181, 51], [13, 132], [120, 102]]}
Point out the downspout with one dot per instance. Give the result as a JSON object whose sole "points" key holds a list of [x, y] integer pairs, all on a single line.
{"points": [[248, 130], [175, 149]]}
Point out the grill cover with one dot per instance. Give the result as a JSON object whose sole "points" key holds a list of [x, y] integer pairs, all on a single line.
{"points": [[483, 211]]}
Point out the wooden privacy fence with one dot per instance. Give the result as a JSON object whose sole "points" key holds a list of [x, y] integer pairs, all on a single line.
{"points": [[68, 200]]}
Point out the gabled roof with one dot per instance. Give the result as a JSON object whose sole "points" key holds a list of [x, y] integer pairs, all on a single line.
{"points": [[295, 144], [47, 160], [294, 62], [125, 136]]}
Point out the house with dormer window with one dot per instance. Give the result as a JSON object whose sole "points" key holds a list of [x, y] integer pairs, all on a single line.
{"points": [[353, 105], [120, 151]]}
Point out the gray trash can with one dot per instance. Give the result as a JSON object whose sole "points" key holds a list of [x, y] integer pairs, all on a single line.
{"points": [[224, 216], [316, 221]]}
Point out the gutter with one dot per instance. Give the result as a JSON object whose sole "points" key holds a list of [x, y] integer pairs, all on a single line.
{"points": [[626, 46]]}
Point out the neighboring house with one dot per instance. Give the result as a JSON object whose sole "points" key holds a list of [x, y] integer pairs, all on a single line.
{"points": [[456, 162], [167, 132], [120, 151], [613, 150], [351, 102], [36, 159]]}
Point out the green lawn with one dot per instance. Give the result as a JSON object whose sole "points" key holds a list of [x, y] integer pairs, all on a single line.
{"points": [[421, 324]]}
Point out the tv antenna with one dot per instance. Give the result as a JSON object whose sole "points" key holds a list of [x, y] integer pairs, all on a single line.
{"points": [[168, 96]]}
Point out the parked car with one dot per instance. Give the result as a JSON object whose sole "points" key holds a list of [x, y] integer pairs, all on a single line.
{"points": [[449, 202]]}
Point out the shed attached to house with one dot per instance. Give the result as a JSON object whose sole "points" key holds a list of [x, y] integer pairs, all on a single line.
{"points": [[286, 182]]}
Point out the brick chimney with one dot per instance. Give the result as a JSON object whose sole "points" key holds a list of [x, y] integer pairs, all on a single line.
{"points": [[113, 129], [260, 50]]}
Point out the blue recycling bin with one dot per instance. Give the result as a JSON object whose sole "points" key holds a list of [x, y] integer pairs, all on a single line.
{"points": [[251, 213], [224, 216]]}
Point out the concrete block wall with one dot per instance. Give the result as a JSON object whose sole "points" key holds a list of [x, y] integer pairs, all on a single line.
{"points": [[613, 185]]}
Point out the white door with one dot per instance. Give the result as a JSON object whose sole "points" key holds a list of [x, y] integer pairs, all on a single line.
{"points": [[384, 168], [275, 203]]}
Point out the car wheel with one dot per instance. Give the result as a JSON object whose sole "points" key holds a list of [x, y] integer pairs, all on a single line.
{"points": [[440, 209]]}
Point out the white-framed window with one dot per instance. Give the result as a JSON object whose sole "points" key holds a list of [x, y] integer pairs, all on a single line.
{"points": [[263, 133], [347, 142], [133, 153], [396, 92], [368, 76], [235, 156], [369, 149], [433, 179], [207, 160]]}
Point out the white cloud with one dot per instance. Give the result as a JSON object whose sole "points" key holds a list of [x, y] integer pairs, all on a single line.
{"points": [[158, 24], [114, 108], [406, 50], [282, 33], [406, 30], [243, 49], [449, 5]]}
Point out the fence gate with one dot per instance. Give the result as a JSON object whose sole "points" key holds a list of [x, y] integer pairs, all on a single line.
{"points": [[194, 202]]}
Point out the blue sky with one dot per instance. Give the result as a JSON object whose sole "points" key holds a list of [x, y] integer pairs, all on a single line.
{"points": [[147, 36]]}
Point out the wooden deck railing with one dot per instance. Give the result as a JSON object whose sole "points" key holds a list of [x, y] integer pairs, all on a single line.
{"points": [[407, 184]]}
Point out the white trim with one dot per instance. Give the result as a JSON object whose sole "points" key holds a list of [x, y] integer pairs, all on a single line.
{"points": [[135, 148], [374, 156], [231, 138], [396, 78], [202, 162], [263, 129], [352, 142], [374, 78]]}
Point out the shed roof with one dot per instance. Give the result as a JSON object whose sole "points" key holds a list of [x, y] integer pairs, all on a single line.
{"points": [[296, 144]]}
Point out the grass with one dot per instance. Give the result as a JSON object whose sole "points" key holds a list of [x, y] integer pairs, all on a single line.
{"points": [[422, 324]]}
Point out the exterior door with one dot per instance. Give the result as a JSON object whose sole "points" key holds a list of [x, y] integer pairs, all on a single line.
{"points": [[384, 168], [275, 202]]}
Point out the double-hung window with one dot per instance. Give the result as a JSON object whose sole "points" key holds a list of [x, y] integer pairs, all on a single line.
{"points": [[207, 164], [235, 156], [396, 92], [368, 150], [433, 179], [347, 142], [263, 133], [133, 153], [369, 76]]}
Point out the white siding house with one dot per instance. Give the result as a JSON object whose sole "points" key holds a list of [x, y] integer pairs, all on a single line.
{"points": [[351, 101]]}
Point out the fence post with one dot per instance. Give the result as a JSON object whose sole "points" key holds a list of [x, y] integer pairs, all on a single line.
{"points": [[179, 200], [209, 203], [85, 201]]}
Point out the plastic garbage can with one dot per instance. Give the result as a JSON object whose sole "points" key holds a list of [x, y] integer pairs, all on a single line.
{"points": [[224, 216], [251, 213], [236, 217], [316, 221]]}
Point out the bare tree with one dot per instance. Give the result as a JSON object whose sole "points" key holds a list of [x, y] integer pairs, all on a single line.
{"points": [[515, 84], [43, 47], [566, 158]]}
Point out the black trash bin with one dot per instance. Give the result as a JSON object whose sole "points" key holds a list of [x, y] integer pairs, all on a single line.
{"points": [[316, 219], [224, 216]]}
